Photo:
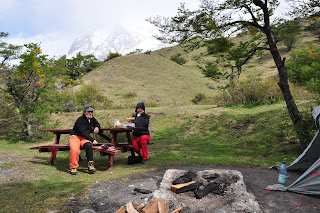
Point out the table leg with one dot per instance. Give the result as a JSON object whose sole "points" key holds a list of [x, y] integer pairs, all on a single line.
{"points": [[114, 138], [53, 156], [55, 151], [110, 162], [129, 137]]}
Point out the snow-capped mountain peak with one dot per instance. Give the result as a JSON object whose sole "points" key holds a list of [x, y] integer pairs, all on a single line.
{"points": [[113, 40]]}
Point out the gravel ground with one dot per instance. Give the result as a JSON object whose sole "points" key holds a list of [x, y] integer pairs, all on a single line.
{"points": [[110, 196]]}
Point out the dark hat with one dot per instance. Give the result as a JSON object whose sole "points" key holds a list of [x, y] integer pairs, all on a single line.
{"points": [[141, 104], [88, 108]]}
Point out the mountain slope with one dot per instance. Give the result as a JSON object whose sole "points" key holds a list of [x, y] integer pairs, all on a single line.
{"points": [[151, 78]]}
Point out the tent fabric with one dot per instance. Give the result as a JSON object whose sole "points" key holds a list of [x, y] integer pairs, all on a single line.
{"points": [[311, 153], [308, 182], [308, 161], [276, 187], [308, 156]]}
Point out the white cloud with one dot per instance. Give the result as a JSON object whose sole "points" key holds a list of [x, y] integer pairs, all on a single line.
{"points": [[56, 23]]}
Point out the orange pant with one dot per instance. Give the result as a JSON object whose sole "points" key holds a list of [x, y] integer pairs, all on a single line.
{"points": [[75, 142]]}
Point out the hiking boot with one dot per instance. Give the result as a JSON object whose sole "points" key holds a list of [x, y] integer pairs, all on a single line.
{"points": [[91, 168], [144, 161], [73, 171]]}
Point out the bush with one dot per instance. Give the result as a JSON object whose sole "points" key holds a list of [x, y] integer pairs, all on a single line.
{"points": [[303, 68], [130, 95], [250, 92], [198, 97], [68, 101], [178, 59], [112, 56]]}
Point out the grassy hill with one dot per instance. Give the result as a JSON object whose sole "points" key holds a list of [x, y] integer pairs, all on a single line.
{"points": [[151, 78]]}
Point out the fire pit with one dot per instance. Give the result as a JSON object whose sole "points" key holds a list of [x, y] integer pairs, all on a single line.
{"points": [[229, 192]]}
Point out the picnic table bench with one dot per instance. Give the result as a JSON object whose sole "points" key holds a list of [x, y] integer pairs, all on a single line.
{"points": [[120, 146]]}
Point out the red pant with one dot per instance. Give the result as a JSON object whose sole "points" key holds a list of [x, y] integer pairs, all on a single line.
{"points": [[140, 146]]}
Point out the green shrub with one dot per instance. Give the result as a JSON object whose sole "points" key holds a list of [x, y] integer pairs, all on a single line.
{"points": [[303, 68], [178, 59], [68, 101], [250, 92], [112, 56]]}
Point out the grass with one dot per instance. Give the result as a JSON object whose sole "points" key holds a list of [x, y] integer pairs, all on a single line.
{"points": [[182, 133], [185, 135]]}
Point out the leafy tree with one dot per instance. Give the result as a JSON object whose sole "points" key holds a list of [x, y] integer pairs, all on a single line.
{"points": [[80, 65], [26, 83], [216, 19], [7, 51], [288, 33], [112, 56], [218, 45]]}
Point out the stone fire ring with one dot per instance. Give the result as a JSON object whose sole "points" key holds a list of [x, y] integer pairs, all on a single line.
{"points": [[235, 199]]}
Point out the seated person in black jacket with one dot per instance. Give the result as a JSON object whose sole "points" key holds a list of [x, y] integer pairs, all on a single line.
{"points": [[80, 136]]}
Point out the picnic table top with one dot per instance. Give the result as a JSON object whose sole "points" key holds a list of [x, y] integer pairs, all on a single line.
{"points": [[123, 129]]}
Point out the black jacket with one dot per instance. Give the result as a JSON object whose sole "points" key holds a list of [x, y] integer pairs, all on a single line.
{"points": [[142, 121], [83, 128]]}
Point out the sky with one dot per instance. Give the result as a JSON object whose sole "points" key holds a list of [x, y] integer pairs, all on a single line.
{"points": [[55, 24]]}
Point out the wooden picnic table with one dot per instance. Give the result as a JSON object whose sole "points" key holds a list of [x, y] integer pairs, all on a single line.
{"points": [[120, 146]]}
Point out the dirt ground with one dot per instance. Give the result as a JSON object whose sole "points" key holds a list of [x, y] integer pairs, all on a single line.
{"points": [[110, 196]]}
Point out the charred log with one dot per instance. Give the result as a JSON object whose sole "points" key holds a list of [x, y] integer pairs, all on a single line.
{"points": [[186, 178], [215, 188]]}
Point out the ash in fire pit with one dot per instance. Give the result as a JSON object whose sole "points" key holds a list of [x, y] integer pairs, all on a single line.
{"points": [[217, 191]]}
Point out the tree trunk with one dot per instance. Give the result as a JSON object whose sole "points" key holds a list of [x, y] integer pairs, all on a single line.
{"points": [[296, 118], [24, 126]]}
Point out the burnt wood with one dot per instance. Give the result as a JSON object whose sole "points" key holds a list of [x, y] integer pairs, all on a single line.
{"points": [[186, 178], [142, 191], [187, 188], [215, 188]]}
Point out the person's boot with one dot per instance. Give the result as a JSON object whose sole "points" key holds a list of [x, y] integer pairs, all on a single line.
{"points": [[91, 168], [73, 171], [144, 161]]}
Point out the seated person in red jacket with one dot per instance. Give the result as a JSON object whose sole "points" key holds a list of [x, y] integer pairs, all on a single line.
{"points": [[141, 137], [80, 137]]}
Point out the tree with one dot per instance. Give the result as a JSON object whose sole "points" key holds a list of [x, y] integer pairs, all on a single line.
{"points": [[80, 65], [216, 19], [288, 33], [26, 83], [7, 51]]}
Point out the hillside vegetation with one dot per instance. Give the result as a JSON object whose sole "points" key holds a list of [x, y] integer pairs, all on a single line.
{"points": [[158, 81]]}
